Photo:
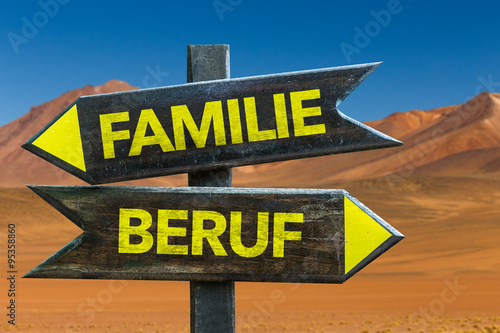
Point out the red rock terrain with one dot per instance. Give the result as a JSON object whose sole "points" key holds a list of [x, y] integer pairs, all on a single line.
{"points": [[441, 189], [453, 140], [458, 140], [20, 167]]}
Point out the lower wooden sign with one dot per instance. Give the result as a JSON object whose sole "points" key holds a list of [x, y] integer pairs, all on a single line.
{"points": [[214, 234]]}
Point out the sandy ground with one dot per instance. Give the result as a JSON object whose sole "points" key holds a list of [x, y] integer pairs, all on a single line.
{"points": [[444, 277], [370, 304]]}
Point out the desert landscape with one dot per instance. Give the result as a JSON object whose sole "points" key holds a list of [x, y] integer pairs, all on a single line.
{"points": [[441, 189]]}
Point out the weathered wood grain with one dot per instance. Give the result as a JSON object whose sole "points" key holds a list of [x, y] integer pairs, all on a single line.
{"points": [[212, 304], [317, 257], [231, 148]]}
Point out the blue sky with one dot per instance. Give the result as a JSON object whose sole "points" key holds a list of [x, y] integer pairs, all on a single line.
{"points": [[435, 53]]}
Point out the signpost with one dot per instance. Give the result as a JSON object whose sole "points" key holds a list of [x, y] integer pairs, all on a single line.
{"points": [[210, 233], [214, 234], [212, 304], [207, 125]]}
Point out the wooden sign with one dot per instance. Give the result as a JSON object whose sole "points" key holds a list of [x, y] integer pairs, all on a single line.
{"points": [[214, 234], [199, 126]]}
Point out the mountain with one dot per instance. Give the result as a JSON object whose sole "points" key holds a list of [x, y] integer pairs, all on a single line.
{"points": [[440, 189], [452, 140], [18, 166]]}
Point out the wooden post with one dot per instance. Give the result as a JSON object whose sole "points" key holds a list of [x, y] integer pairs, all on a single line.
{"points": [[212, 303]]}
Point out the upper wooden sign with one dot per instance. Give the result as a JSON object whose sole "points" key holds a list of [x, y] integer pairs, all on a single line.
{"points": [[208, 125], [214, 234]]}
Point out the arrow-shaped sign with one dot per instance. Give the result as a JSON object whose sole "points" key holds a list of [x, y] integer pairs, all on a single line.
{"points": [[214, 234], [215, 124]]}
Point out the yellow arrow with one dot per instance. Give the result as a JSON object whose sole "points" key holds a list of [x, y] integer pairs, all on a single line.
{"points": [[363, 234], [62, 139]]}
